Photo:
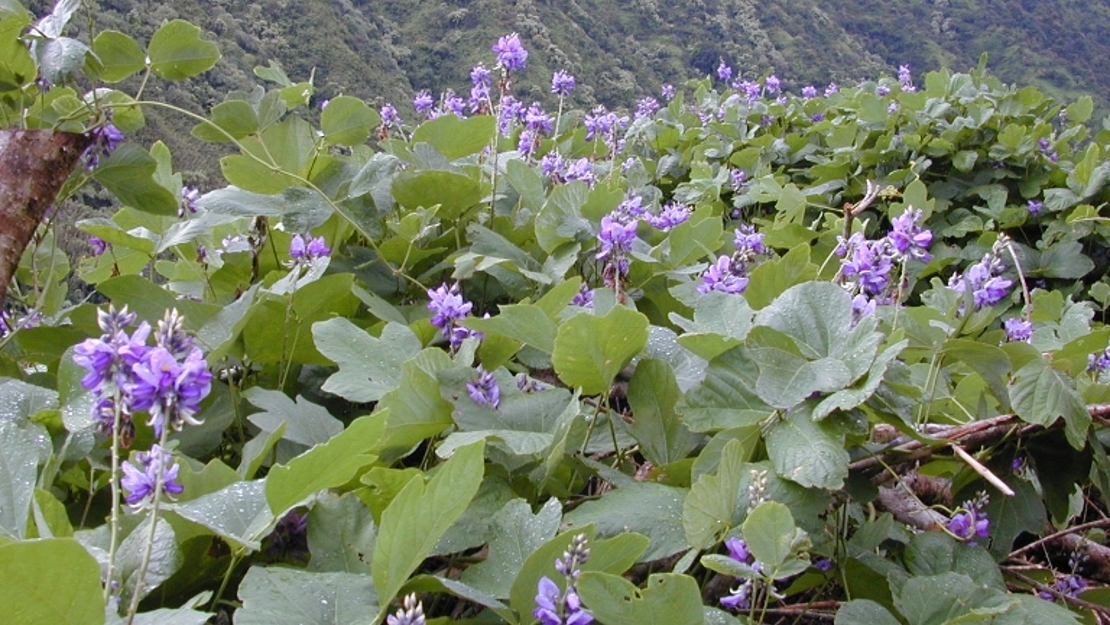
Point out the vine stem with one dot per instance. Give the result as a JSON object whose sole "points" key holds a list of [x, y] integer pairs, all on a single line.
{"points": [[235, 558], [114, 483], [159, 483]]}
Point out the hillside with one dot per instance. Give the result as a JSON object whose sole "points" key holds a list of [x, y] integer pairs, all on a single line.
{"points": [[384, 50]]}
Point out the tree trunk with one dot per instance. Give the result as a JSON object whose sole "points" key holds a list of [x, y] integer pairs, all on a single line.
{"points": [[34, 164]]}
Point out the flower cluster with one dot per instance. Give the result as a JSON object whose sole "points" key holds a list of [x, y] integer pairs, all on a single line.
{"points": [[485, 390], [984, 278], [1099, 362], [970, 522], [1047, 150], [556, 607], [106, 139], [1069, 585], [448, 308], [510, 53], [189, 197], [729, 274], [562, 84], [411, 612], [306, 249], [168, 380], [669, 216], [141, 478], [906, 79], [289, 539], [604, 123], [1018, 330], [1035, 207], [739, 598], [724, 72], [867, 267]]}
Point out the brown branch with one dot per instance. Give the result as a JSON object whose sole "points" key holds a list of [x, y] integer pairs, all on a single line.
{"points": [[1101, 610], [1056, 535], [34, 164]]}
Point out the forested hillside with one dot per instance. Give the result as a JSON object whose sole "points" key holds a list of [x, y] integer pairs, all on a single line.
{"points": [[385, 50]]}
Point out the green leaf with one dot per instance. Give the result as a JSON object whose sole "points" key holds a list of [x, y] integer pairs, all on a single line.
{"points": [[1011, 516], [591, 350], [348, 121], [417, 411], [653, 510], [666, 599], [454, 137], [525, 180], [23, 447], [419, 515], [341, 533], [560, 220], [305, 422], [514, 535], [721, 322], [864, 612], [165, 558], [1080, 111], [525, 323], [773, 277], [653, 394], [726, 398], [50, 516], [937, 599], [707, 511], [325, 466], [120, 56], [236, 118], [369, 367], [787, 379], [177, 52], [282, 596], [1040, 394], [237, 513], [807, 452], [50, 581], [128, 173], [771, 535], [453, 192]]}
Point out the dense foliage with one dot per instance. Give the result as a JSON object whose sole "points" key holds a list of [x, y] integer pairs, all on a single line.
{"points": [[736, 355]]}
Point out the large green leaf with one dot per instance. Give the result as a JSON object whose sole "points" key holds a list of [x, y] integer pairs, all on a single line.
{"points": [[774, 540], [283, 596], [165, 558], [348, 120], [653, 394], [23, 446], [864, 612], [305, 422], [453, 192], [726, 398], [128, 173], [666, 599], [177, 52], [807, 452], [232, 119], [325, 466], [653, 510], [341, 533], [237, 513], [120, 56], [413, 523], [50, 581], [591, 350], [560, 220], [417, 411], [369, 367], [454, 137], [1041, 394], [708, 509], [525, 323], [514, 535]]}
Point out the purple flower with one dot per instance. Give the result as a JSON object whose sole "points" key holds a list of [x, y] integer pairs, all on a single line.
{"points": [[833, 88], [738, 550], [1018, 330], [1069, 585], [867, 263], [724, 72], [722, 277], [99, 246], [737, 178], [646, 108], [882, 90], [584, 298], [324, 103], [739, 598], [448, 305], [536, 119], [822, 564], [299, 249], [615, 236], [817, 118], [906, 79], [752, 90], [510, 53], [809, 91], [141, 479], [562, 84], [189, 197], [670, 216], [170, 390], [970, 522], [580, 169], [1047, 150], [892, 107], [772, 84], [289, 540], [480, 76], [423, 102], [909, 238], [748, 242], [988, 288], [552, 164], [454, 104], [1035, 207], [667, 92], [485, 391], [390, 116], [411, 612], [1096, 362], [106, 139], [556, 607], [511, 110]]}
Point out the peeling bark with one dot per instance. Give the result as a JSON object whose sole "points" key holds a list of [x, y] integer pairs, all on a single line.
{"points": [[34, 164]]}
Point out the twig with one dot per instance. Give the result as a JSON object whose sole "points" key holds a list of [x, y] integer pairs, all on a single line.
{"points": [[1094, 607], [1055, 535], [983, 471]]}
